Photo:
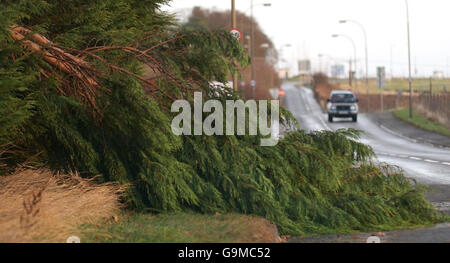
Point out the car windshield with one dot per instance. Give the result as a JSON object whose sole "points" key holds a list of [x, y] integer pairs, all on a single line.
{"points": [[343, 98]]}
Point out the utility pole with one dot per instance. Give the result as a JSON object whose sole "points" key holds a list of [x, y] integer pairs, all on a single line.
{"points": [[252, 48], [233, 13], [252, 54], [392, 63], [447, 67], [367, 57], [409, 63], [350, 75], [367, 69], [431, 93], [234, 25], [381, 79], [354, 53], [382, 100], [431, 85]]}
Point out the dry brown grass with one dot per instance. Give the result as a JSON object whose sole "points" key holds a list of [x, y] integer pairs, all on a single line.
{"points": [[39, 206], [437, 116]]}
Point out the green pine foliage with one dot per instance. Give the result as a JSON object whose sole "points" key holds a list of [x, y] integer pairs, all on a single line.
{"points": [[309, 183]]}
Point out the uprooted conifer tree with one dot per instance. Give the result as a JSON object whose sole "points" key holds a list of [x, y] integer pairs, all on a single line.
{"points": [[87, 85]]}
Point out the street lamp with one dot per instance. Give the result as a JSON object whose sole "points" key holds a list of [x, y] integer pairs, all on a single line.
{"points": [[409, 62], [367, 56], [260, 4], [392, 63], [253, 46], [354, 48], [249, 38], [234, 25], [233, 14], [271, 79]]}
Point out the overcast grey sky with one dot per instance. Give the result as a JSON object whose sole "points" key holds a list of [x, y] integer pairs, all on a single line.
{"points": [[308, 25]]}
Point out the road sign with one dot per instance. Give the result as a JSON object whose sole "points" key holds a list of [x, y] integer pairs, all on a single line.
{"points": [[236, 33], [281, 93], [253, 83], [381, 77]]}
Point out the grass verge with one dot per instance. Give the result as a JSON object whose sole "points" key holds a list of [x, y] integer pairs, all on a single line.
{"points": [[421, 122], [182, 228]]}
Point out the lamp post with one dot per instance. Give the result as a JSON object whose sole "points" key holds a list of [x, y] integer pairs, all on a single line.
{"points": [[266, 46], [409, 62], [366, 56], [253, 83], [234, 25], [354, 50], [233, 13]]}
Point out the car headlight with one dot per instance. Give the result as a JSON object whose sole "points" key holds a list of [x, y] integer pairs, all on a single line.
{"points": [[333, 108], [353, 108]]}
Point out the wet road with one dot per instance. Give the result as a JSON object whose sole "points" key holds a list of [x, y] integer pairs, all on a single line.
{"points": [[427, 164]]}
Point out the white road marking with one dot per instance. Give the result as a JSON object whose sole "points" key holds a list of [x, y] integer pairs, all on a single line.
{"points": [[304, 104], [397, 134], [309, 109], [325, 125], [412, 158], [442, 206], [423, 141]]}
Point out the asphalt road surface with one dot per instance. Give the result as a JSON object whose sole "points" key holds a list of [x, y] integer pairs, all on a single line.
{"points": [[427, 164]]}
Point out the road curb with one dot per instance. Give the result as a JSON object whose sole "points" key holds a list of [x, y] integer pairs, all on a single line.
{"points": [[406, 137]]}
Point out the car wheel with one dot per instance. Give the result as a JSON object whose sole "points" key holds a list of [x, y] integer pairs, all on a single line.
{"points": [[330, 118], [355, 118]]}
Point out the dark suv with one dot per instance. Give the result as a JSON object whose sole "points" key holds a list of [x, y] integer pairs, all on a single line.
{"points": [[342, 104]]}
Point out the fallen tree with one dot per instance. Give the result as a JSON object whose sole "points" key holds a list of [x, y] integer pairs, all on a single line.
{"points": [[81, 98]]}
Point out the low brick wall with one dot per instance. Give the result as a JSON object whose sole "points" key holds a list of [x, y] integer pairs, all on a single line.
{"points": [[391, 100]]}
